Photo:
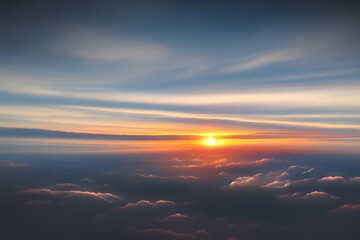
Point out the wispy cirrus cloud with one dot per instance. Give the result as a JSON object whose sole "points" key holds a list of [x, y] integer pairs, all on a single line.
{"points": [[93, 45], [260, 61]]}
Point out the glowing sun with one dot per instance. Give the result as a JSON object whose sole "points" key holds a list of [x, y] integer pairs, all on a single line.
{"points": [[210, 141]]}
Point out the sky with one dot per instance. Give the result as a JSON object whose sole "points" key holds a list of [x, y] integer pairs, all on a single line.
{"points": [[186, 120]]}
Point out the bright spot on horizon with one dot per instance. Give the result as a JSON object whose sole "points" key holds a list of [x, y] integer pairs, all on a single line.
{"points": [[211, 141]]}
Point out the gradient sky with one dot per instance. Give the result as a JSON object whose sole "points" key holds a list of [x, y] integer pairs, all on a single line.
{"points": [[179, 120], [182, 67]]}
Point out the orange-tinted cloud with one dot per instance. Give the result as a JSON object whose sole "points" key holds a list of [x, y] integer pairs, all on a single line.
{"points": [[106, 197]]}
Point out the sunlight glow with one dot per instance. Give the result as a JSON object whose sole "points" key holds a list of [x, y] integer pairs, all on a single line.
{"points": [[211, 141]]}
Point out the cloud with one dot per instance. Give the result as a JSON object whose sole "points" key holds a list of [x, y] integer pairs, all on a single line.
{"points": [[261, 61], [324, 97], [309, 171], [146, 204], [247, 181], [294, 177], [182, 112], [162, 234], [175, 217], [44, 192], [347, 209], [277, 179], [41, 133], [141, 214], [201, 164], [188, 205], [11, 164], [64, 186], [318, 195], [354, 179], [222, 164], [96, 46], [333, 179], [239, 164], [168, 177], [311, 196], [38, 202]]}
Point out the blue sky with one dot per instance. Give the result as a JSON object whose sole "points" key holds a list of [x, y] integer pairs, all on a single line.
{"points": [[239, 67]]}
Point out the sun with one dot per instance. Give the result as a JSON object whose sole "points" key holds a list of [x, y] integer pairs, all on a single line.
{"points": [[210, 140]]}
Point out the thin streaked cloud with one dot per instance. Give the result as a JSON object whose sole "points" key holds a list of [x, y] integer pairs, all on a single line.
{"points": [[262, 60]]}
